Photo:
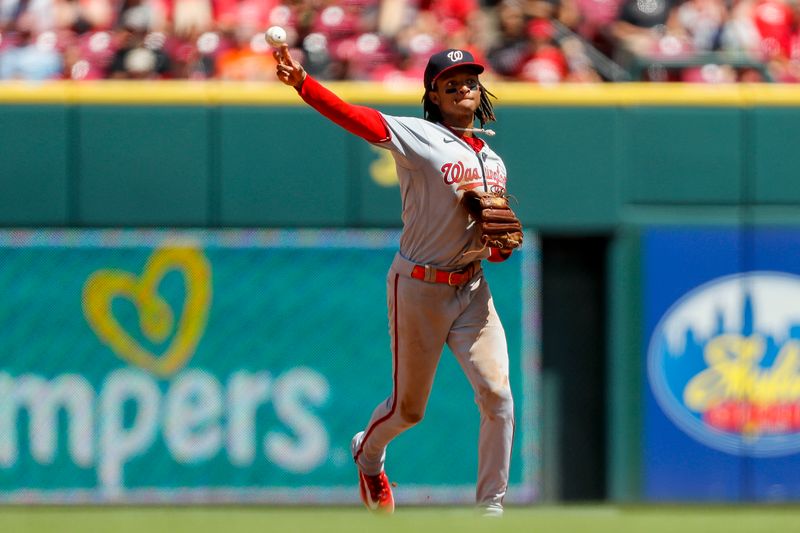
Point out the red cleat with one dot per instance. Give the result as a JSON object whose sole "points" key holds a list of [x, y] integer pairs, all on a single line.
{"points": [[376, 493]]}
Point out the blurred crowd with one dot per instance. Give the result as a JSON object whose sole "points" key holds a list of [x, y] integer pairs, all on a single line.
{"points": [[545, 41]]}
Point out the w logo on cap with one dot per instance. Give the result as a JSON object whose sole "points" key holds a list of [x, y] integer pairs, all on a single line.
{"points": [[443, 61]]}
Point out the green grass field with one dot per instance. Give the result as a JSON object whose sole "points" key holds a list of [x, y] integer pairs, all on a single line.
{"points": [[544, 519]]}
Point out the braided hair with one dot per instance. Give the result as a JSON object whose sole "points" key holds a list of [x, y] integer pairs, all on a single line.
{"points": [[484, 113]]}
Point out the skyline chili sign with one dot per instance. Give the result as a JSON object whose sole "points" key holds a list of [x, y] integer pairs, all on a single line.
{"points": [[722, 361]]}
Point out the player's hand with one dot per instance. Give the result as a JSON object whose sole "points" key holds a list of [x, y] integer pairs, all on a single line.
{"points": [[289, 71]]}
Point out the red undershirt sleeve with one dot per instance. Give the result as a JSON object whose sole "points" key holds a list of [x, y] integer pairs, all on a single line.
{"points": [[497, 255], [365, 122]]}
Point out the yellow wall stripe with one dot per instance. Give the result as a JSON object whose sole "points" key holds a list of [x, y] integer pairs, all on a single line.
{"points": [[218, 92]]}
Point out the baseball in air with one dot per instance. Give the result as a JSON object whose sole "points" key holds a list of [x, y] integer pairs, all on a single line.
{"points": [[275, 36]]}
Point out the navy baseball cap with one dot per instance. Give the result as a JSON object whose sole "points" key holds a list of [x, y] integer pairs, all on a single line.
{"points": [[445, 60]]}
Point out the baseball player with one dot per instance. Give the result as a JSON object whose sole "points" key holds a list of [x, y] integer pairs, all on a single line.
{"points": [[436, 291]]}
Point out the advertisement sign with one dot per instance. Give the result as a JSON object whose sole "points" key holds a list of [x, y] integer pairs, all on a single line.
{"points": [[190, 366], [722, 364]]}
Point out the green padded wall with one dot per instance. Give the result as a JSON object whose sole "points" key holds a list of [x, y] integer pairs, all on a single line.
{"points": [[285, 167], [777, 160], [143, 166], [572, 168], [34, 165], [683, 155]]}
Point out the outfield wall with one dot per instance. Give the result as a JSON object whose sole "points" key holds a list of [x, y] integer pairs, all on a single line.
{"points": [[621, 160], [584, 159]]}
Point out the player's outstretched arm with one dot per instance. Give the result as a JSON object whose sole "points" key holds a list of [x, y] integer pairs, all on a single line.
{"points": [[365, 122]]}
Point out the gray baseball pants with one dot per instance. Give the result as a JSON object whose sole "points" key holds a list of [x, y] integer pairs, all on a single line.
{"points": [[423, 317]]}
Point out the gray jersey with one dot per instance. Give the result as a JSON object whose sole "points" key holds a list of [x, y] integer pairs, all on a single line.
{"points": [[434, 167]]}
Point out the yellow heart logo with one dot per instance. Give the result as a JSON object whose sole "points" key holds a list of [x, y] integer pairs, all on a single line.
{"points": [[156, 317]]}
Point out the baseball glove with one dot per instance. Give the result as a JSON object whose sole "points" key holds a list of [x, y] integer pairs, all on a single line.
{"points": [[499, 226]]}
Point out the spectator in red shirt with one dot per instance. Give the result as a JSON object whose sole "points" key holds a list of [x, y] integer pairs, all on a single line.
{"points": [[545, 62]]}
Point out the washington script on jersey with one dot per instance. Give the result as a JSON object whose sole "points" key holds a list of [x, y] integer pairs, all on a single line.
{"points": [[724, 363], [473, 177]]}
